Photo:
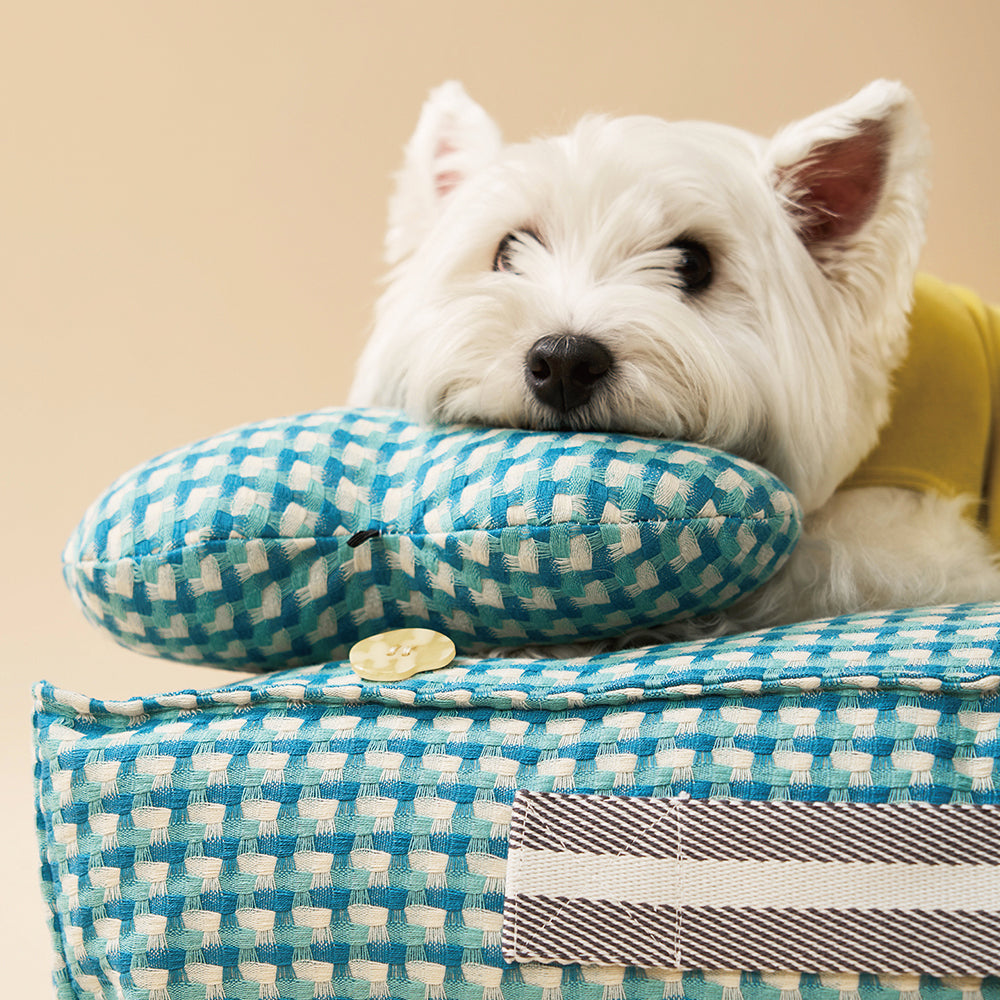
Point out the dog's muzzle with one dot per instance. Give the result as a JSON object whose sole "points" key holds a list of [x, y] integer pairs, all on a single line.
{"points": [[563, 370]]}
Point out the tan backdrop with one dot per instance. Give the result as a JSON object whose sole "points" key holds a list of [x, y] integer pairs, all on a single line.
{"points": [[191, 215]]}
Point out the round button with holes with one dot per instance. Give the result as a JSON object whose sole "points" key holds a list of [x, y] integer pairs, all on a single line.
{"points": [[401, 653]]}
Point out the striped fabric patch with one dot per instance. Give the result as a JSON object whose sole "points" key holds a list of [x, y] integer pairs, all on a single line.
{"points": [[726, 884]]}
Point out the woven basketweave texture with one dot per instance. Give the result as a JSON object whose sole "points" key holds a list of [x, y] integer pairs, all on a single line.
{"points": [[285, 542], [307, 835]]}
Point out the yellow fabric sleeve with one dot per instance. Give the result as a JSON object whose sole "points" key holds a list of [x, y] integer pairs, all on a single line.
{"points": [[940, 435]]}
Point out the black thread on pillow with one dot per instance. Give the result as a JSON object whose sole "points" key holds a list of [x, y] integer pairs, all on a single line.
{"points": [[360, 537]]}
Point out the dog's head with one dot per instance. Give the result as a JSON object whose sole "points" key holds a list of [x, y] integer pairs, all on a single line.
{"points": [[681, 280]]}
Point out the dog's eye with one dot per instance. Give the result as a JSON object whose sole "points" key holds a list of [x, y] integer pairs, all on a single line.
{"points": [[503, 259], [694, 267]]}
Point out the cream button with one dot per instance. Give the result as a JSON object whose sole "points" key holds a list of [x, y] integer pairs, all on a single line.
{"points": [[393, 656]]}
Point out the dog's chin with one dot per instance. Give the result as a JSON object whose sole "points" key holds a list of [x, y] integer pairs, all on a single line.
{"points": [[598, 415], [588, 418], [611, 410], [602, 416]]}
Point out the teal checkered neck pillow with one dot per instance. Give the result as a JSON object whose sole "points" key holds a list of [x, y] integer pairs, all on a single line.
{"points": [[284, 542]]}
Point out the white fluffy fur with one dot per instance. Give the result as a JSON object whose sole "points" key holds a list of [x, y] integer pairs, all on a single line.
{"points": [[786, 358]]}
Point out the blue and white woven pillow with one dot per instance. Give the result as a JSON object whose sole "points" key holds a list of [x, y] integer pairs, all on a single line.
{"points": [[311, 836], [285, 542]]}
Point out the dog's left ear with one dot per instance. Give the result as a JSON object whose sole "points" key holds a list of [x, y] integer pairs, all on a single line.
{"points": [[454, 139], [853, 177]]}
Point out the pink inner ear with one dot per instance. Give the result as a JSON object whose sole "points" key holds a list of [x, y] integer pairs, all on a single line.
{"points": [[837, 187], [445, 181]]}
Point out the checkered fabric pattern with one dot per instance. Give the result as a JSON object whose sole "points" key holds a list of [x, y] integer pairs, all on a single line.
{"points": [[285, 542], [309, 836]]}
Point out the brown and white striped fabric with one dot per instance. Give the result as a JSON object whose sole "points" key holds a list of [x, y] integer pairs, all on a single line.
{"points": [[726, 884]]}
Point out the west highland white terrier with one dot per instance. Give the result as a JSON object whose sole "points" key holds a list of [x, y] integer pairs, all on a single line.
{"points": [[687, 281]]}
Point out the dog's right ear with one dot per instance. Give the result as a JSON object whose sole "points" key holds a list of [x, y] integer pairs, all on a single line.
{"points": [[454, 139]]}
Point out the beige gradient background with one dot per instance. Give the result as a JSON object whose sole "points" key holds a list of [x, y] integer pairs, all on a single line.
{"points": [[191, 214]]}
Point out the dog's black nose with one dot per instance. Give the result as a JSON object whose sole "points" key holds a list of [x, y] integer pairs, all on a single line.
{"points": [[562, 370]]}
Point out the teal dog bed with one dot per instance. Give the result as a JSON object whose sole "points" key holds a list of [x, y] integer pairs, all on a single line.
{"points": [[309, 834]]}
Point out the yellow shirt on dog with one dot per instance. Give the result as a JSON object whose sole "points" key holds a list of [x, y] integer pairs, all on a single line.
{"points": [[942, 435]]}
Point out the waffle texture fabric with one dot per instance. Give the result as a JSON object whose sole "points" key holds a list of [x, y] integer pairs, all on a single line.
{"points": [[305, 834], [283, 543]]}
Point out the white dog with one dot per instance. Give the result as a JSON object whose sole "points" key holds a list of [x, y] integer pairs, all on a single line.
{"points": [[687, 281]]}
